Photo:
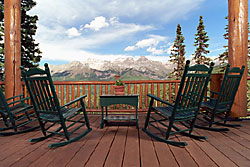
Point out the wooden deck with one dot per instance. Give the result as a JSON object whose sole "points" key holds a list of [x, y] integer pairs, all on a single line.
{"points": [[127, 146]]}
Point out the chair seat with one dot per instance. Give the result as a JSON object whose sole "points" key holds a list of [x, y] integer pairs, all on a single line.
{"points": [[211, 105], [55, 117], [19, 108], [178, 115]]}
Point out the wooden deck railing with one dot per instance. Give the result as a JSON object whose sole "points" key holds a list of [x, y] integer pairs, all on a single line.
{"points": [[69, 90]]}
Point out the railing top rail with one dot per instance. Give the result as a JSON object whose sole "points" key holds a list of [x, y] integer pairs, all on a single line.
{"points": [[111, 82]]}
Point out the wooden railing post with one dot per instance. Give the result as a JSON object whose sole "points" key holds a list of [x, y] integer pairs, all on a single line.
{"points": [[238, 50], [12, 47]]}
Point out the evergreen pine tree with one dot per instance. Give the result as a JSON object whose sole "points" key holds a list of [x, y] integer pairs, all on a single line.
{"points": [[223, 57], [30, 52], [178, 54], [201, 44]]}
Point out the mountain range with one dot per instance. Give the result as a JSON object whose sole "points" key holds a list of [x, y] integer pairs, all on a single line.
{"points": [[99, 70]]}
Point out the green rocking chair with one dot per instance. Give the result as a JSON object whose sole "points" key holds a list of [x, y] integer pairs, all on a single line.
{"points": [[70, 122], [218, 106], [16, 115], [180, 116]]}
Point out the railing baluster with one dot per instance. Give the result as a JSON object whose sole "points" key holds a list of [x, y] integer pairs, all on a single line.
{"points": [[135, 88], [94, 96], [62, 94], [152, 88], [176, 90], [170, 92], [158, 93], [73, 94], [89, 96], [57, 91], [111, 92], [146, 97], [164, 91], [67, 93], [78, 95], [84, 92], [106, 89], [140, 96], [129, 92]]}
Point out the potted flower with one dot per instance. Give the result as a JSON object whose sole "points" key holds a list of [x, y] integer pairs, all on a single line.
{"points": [[119, 86]]}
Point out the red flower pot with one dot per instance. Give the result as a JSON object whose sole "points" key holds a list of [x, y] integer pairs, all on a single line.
{"points": [[119, 90]]}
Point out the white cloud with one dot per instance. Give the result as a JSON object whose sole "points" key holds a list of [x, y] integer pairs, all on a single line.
{"points": [[87, 40], [155, 51], [73, 32], [82, 11], [130, 48], [58, 52], [97, 23], [150, 43], [147, 42], [113, 21]]}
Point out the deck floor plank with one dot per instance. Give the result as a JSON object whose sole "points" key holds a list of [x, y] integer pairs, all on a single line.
{"points": [[132, 149], [101, 152], [68, 152], [83, 155], [128, 146], [147, 151], [219, 142], [116, 153], [199, 156]]}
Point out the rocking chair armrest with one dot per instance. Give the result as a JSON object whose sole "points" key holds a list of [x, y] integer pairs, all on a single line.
{"points": [[214, 92], [210, 98], [77, 99], [159, 99], [18, 101], [13, 97]]}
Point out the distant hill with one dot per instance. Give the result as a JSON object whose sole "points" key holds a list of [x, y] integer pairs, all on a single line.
{"points": [[98, 70]]}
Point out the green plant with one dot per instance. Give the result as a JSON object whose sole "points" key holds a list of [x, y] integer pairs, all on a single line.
{"points": [[118, 81]]}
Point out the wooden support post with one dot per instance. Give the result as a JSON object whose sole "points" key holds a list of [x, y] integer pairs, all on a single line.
{"points": [[12, 47], [238, 49]]}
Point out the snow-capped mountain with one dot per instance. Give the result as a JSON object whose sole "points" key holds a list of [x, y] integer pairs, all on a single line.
{"points": [[128, 68]]}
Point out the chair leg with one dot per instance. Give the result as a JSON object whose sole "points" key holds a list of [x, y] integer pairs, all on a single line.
{"points": [[66, 133], [4, 119], [85, 114], [148, 114], [212, 119], [171, 122]]}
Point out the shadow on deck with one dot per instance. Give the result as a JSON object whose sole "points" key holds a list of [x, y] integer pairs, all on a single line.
{"points": [[127, 146]]}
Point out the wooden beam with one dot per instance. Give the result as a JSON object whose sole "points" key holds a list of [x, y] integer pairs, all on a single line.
{"points": [[12, 47], [238, 49]]}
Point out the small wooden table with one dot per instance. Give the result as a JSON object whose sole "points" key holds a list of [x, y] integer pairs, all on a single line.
{"points": [[109, 99]]}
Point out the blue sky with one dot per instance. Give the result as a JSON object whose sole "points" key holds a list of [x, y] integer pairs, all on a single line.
{"points": [[71, 30]]}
